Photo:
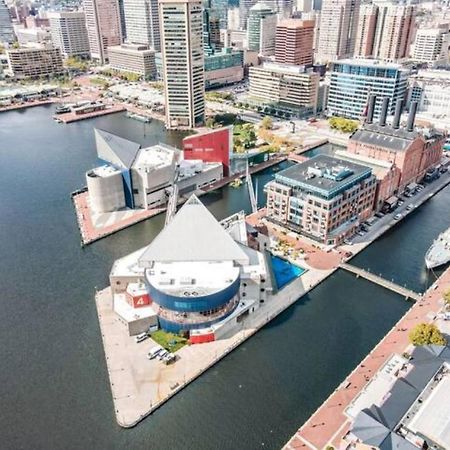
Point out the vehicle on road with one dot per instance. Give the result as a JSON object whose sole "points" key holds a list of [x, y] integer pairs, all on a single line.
{"points": [[398, 217]]}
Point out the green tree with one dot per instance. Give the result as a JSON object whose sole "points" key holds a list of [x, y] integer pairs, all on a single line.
{"points": [[343, 125], [447, 298], [266, 123], [210, 122], [426, 334]]}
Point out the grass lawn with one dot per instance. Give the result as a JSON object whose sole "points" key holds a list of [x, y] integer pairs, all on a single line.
{"points": [[171, 342]]}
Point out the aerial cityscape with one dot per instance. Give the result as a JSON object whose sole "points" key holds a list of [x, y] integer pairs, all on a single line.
{"points": [[225, 224]]}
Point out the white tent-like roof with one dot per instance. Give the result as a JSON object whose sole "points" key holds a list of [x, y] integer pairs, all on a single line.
{"points": [[193, 234]]}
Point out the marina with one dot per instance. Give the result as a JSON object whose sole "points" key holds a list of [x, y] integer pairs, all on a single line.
{"points": [[233, 395]]}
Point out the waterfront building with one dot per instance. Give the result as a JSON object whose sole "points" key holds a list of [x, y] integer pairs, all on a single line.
{"points": [[183, 62], [261, 28], [6, 27], [365, 35], [294, 42], [404, 153], [394, 31], [431, 90], [405, 405], [135, 177], [224, 67], [338, 22], [142, 22], [35, 61], [352, 80], [281, 88], [323, 198], [139, 59], [69, 33], [201, 277], [432, 44], [103, 27]]}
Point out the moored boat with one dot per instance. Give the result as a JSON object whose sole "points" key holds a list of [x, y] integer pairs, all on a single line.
{"points": [[439, 252]]}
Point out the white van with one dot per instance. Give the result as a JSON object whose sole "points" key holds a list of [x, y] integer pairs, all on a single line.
{"points": [[153, 353], [162, 353]]}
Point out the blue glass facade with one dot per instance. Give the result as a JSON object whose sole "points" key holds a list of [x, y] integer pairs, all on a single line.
{"points": [[352, 83], [198, 303], [128, 187]]}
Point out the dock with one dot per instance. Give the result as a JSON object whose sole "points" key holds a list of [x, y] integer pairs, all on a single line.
{"points": [[72, 117], [377, 279]]}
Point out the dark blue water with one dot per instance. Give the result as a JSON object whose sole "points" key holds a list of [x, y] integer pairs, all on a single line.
{"points": [[54, 389], [324, 149]]}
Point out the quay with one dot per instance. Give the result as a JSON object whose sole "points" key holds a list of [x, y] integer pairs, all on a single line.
{"points": [[72, 117], [359, 272], [329, 424], [27, 105]]}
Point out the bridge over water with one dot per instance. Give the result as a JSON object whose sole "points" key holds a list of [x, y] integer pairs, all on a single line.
{"points": [[407, 293]]}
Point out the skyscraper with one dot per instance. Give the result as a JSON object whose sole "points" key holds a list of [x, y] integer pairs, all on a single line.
{"points": [[69, 34], [219, 10], [394, 31], [6, 28], [244, 9], [103, 26], [261, 27], [294, 42], [431, 44], [338, 23], [183, 63], [142, 22], [365, 34]]}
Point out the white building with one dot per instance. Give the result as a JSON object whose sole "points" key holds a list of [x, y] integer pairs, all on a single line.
{"points": [[142, 22], [33, 35], [69, 33], [132, 58], [142, 178], [432, 44], [183, 63]]}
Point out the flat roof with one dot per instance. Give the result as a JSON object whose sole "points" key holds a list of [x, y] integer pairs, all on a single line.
{"points": [[369, 63], [323, 174], [155, 157]]}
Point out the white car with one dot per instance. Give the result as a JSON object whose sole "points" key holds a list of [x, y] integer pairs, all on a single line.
{"points": [[409, 207], [141, 337], [398, 217], [162, 354], [154, 352]]}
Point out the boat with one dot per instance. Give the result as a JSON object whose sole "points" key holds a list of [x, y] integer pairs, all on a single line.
{"points": [[62, 109], [439, 252], [139, 117]]}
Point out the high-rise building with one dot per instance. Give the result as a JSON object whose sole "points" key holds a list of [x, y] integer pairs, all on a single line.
{"points": [[338, 23], [69, 34], [123, 27], [282, 8], [365, 34], [304, 6], [244, 10], [394, 31], [353, 80], [233, 18], [142, 22], [294, 42], [219, 10], [6, 28], [133, 58], [103, 26], [183, 62], [432, 44], [261, 28]]}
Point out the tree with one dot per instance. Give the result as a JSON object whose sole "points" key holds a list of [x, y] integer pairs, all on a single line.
{"points": [[210, 122], [343, 125], [426, 334], [266, 123], [447, 298]]}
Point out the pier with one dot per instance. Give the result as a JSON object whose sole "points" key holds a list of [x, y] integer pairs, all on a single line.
{"points": [[407, 293]]}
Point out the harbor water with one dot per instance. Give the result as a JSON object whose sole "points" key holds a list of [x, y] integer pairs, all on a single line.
{"points": [[54, 387]]}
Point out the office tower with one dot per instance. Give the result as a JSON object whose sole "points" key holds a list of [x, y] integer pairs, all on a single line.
{"points": [[244, 10], [123, 28], [261, 28], [6, 28], [219, 10], [103, 26], [69, 34], [294, 42], [365, 34], [282, 8], [394, 31], [233, 18], [142, 22], [353, 80], [211, 30], [338, 22], [304, 6], [134, 58], [183, 63], [431, 44]]}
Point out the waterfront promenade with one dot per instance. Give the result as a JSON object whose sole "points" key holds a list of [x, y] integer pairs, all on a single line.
{"points": [[329, 424]]}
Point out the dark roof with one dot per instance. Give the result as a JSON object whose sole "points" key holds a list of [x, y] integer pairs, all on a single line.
{"points": [[324, 174], [387, 137]]}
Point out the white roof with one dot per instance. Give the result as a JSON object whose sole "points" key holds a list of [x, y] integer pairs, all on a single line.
{"points": [[194, 234]]}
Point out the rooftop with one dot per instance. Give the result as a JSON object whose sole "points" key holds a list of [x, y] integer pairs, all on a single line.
{"points": [[369, 63], [103, 171], [114, 149], [284, 68], [155, 157], [323, 174]]}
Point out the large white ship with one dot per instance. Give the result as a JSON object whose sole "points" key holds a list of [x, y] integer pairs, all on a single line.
{"points": [[439, 252]]}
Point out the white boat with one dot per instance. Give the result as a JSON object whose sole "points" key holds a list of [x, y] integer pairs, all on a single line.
{"points": [[439, 252]]}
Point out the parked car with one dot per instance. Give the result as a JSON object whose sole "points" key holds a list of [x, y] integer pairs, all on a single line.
{"points": [[409, 207], [162, 353], [169, 359], [398, 217], [348, 242], [154, 352], [141, 337]]}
